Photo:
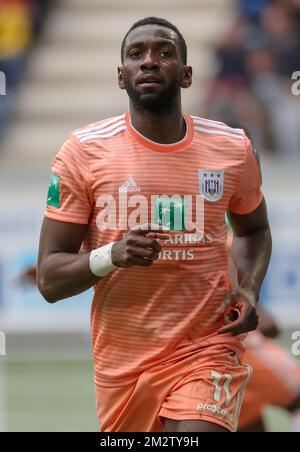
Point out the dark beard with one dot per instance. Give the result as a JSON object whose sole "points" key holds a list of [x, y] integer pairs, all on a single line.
{"points": [[158, 104]]}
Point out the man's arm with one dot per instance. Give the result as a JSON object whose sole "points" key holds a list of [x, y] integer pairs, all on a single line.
{"points": [[64, 272], [251, 253], [252, 246]]}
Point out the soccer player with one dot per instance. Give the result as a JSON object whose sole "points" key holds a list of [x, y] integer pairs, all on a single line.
{"points": [[276, 377], [120, 216]]}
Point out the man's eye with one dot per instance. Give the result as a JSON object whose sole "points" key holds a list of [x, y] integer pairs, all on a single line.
{"points": [[135, 54], [165, 54]]}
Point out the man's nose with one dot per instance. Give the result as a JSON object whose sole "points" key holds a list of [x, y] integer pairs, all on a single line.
{"points": [[150, 61]]}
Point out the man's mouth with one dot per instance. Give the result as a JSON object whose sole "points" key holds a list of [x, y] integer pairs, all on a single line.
{"points": [[149, 84], [149, 81]]}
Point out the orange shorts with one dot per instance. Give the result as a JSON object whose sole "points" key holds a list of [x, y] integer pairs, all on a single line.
{"points": [[208, 385], [276, 378]]}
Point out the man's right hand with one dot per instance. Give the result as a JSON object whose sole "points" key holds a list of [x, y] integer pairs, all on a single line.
{"points": [[140, 247]]}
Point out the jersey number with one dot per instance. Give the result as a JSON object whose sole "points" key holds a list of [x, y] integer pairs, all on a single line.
{"points": [[219, 388]]}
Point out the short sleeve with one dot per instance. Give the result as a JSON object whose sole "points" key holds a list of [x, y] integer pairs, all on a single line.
{"points": [[69, 198], [248, 194]]}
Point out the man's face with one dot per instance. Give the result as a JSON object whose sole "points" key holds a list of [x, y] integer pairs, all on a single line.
{"points": [[153, 71]]}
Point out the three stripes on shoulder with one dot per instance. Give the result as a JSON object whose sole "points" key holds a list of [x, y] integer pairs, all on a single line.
{"points": [[113, 126], [104, 129]]}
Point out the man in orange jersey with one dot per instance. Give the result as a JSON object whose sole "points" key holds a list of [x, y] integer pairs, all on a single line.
{"points": [[276, 377], [136, 208]]}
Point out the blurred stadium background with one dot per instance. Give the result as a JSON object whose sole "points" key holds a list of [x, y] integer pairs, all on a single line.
{"points": [[60, 59]]}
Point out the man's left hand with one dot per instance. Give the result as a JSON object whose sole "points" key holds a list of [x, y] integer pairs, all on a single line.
{"points": [[240, 312]]}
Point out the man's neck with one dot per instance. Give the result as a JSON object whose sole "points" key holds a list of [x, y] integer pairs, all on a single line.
{"points": [[165, 129]]}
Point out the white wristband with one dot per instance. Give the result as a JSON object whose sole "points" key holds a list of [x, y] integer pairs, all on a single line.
{"points": [[100, 261]]}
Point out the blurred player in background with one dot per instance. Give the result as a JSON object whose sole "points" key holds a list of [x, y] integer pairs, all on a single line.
{"points": [[166, 355], [276, 375], [275, 381]]}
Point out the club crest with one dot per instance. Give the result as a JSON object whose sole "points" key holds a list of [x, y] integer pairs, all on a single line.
{"points": [[211, 184]]}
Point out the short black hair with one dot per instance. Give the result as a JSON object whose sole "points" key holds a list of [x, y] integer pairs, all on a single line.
{"points": [[163, 23]]}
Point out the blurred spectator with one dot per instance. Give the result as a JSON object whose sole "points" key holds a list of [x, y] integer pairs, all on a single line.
{"points": [[20, 22], [255, 64], [15, 37], [39, 12], [252, 9], [283, 36]]}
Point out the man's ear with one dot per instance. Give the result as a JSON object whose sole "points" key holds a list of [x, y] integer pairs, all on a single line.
{"points": [[187, 77], [121, 77]]}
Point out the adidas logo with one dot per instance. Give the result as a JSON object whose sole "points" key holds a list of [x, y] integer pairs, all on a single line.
{"points": [[129, 186]]}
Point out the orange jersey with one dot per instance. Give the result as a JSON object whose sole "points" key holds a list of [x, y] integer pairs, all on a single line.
{"points": [[276, 378], [143, 316]]}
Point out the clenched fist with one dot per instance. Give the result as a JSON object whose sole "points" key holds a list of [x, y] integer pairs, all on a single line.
{"points": [[140, 247]]}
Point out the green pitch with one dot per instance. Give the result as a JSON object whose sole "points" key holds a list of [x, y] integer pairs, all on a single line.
{"points": [[50, 396]]}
